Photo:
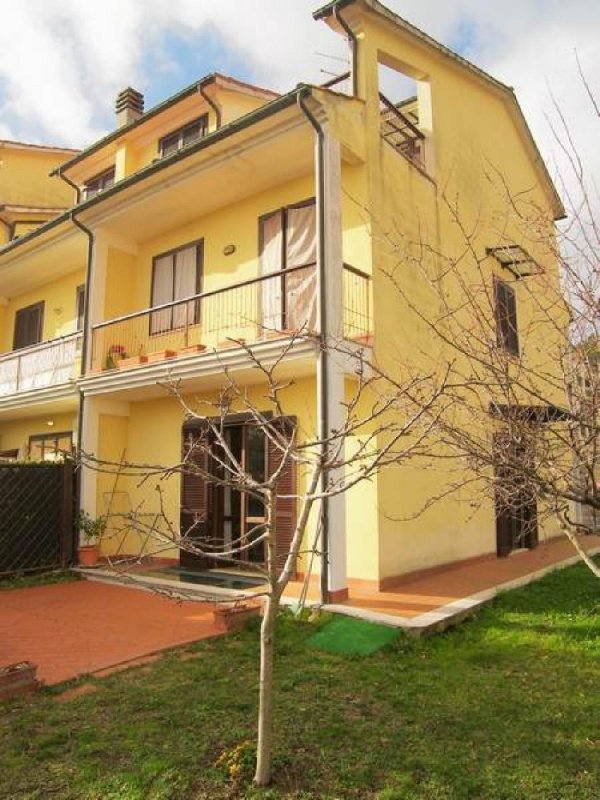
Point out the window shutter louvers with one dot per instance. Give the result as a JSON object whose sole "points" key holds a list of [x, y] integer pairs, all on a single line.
{"points": [[286, 485], [196, 496]]}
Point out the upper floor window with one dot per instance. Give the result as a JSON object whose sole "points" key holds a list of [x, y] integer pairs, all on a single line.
{"points": [[100, 183], [506, 317], [29, 324], [183, 136], [176, 275]]}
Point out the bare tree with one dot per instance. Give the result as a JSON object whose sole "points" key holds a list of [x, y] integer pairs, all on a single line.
{"points": [[385, 422], [512, 315]]}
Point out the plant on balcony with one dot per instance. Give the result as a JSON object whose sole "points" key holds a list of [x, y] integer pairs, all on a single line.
{"points": [[90, 530], [116, 352]]}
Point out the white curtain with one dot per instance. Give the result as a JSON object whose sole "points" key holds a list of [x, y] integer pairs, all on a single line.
{"points": [[271, 263], [301, 236], [185, 286], [300, 287], [162, 292]]}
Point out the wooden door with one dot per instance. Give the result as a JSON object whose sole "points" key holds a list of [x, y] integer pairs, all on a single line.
{"points": [[516, 503]]}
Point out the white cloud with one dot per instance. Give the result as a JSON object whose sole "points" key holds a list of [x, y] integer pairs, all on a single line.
{"points": [[63, 61]]}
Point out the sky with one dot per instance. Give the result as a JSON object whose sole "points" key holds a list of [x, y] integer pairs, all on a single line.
{"points": [[64, 61]]}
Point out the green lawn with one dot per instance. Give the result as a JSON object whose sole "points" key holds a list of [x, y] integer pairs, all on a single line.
{"points": [[507, 706]]}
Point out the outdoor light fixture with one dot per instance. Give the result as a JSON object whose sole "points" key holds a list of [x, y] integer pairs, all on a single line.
{"points": [[229, 250]]}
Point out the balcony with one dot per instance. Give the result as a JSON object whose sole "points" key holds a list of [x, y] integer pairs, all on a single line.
{"points": [[271, 307], [40, 367]]}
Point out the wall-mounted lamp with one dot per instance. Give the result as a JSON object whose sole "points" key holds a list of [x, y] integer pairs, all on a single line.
{"points": [[229, 250], [50, 423]]}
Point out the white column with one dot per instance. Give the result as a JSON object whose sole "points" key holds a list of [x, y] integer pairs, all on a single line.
{"points": [[93, 408], [330, 383], [88, 478]]}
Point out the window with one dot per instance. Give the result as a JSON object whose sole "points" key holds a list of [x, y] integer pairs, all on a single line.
{"points": [[506, 317], [50, 446], [100, 183], [288, 241], [29, 323], [175, 276], [80, 307], [184, 136]]}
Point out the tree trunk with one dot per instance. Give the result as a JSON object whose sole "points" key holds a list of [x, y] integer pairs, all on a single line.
{"points": [[264, 748]]}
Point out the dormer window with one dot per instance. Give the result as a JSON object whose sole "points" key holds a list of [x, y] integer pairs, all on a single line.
{"points": [[100, 183], [184, 136]]}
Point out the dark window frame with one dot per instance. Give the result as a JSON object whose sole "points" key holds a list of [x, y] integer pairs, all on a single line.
{"points": [[104, 180], [505, 310], [178, 135], [40, 325], [80, 307], [49, 437], [283, 211], [199, 245]]}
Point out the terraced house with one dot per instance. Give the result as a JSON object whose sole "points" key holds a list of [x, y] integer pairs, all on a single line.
{"points": [[228, 212]]}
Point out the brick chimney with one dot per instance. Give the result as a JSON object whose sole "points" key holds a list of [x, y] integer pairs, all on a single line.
{"points": [[129, 106]]}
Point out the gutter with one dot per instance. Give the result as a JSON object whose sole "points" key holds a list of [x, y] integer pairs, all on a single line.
{"points": [[279, 104], [323, 363], [71, 184], [210, 102], [354, 43]]}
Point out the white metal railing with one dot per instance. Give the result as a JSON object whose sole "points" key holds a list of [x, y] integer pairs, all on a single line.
{"points": [[39, 366]]}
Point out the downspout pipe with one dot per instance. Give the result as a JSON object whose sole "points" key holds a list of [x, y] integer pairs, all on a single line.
{"points": [[72, 185], [212, 104], [354, 44], [323, 364], [86, 311]]}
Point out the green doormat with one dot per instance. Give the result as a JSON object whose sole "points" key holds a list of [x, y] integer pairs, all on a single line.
{"points": [[352, 637]]}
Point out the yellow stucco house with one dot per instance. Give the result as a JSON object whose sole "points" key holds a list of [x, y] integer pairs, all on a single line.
{"points": [[262, 212]]}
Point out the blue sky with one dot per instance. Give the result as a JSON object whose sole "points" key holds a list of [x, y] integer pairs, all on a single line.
{"points": [[64, 61]]}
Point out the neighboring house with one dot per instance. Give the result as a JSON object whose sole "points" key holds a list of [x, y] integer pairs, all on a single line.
{"points": [[41, 306], [222, 193]]}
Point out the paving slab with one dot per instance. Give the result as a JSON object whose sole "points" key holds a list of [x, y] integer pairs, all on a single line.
{"points": [[73, 629]]}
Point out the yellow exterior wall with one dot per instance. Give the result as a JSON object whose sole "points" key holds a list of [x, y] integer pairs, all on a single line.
{"points": [[60, 309], [145, 441], [24, 179], [15, 435], [474, 135]]}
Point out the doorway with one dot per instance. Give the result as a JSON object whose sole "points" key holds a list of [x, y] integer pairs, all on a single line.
{"points": [[516, 502], [222, 519]]}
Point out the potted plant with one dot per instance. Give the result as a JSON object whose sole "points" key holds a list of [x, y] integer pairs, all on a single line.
{"points": [[90, 531], [116, 353]]}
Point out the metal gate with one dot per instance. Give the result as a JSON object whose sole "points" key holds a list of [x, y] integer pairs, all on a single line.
{"points": [[36, 517]]}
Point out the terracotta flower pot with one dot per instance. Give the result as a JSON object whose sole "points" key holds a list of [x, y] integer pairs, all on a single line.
{"points": [[189, 349], [161, 355], [88, 555], [133, 361]]}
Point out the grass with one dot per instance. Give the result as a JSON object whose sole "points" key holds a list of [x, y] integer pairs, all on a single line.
{"points": [[503, 708], [24, 581]]}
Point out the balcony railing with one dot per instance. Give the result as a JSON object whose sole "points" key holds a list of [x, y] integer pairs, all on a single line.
{"points": [[39, 366], [254, 310], [404, 136]]}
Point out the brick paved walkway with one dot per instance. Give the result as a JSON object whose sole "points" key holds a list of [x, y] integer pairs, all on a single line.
{"points": [[75, 628]]}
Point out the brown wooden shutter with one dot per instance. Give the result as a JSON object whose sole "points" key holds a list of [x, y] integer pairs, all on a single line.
{"points": [[196, 495], [506, 317], [28, 326], [286, 507]]}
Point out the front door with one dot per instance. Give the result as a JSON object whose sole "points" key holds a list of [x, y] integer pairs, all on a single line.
{"points": [[240, 515], [516, 503], [223, 520]]}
